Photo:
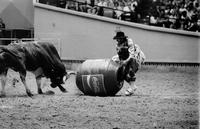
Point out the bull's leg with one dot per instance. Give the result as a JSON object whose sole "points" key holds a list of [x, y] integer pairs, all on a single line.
{"points": [[39, 82], [3, 83], [23, 78], [38, 75]]}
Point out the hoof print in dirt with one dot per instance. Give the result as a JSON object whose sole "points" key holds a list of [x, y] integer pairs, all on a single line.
{"points": [[49, 92], [2, 95]]}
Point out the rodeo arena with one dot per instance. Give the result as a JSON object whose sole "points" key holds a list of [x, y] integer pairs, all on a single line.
{"points": [[99, 64]]}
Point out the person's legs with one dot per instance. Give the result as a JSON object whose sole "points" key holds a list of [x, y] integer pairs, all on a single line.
{"points": [[131, 69]]}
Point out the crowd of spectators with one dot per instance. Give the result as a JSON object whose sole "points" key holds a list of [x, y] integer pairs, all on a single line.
{"points": [[175, 14], [118, 9]]}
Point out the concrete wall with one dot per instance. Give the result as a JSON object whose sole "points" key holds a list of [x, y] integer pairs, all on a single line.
{"points": [[86, 36]]}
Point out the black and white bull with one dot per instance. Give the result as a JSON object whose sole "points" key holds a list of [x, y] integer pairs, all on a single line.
{"points": [[40, 58]]}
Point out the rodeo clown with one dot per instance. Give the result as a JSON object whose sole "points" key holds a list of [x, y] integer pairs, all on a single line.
{"points": [[131, 57]]}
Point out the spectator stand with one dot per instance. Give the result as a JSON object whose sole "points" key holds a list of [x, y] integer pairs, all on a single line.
{"points": [[174, 14], [106, 9]]}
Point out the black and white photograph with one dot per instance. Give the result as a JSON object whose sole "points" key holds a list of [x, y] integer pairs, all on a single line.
{"points": [[99, 64]]}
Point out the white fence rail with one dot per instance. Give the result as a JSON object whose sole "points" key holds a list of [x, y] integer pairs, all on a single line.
{"points": [[55, 42]]}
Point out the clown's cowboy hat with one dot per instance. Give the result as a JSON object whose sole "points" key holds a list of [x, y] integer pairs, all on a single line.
{"points": [[119, 35]]}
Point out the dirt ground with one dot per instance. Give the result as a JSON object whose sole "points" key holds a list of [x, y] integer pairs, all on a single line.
{"points": [[167, 98]]}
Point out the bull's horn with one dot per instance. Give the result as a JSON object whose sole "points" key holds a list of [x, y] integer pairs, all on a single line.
{"points": [[65, 78], [71, 72], [68, 75]]}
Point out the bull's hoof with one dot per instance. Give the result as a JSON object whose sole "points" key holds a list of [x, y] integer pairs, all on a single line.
{"points": [[40, 91], [2, 95], [64, 91], [29, 94]]}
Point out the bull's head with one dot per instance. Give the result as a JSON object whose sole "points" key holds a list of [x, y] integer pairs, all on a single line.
{"points": [[58, 78]]}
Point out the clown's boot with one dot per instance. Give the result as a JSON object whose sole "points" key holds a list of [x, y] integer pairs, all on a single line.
{"points": [[132, 88]]}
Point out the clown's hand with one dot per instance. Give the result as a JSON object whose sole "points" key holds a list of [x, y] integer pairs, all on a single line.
{"points": [[116, 59]]}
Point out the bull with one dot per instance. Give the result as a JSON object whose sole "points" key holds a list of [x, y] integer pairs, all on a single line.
{"points": [[40, 58]]}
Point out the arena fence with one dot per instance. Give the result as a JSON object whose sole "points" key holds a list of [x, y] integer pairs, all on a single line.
{"points": [[74, 63]]}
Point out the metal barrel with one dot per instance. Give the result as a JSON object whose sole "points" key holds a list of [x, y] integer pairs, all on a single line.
{"points": [[99, 77]]}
